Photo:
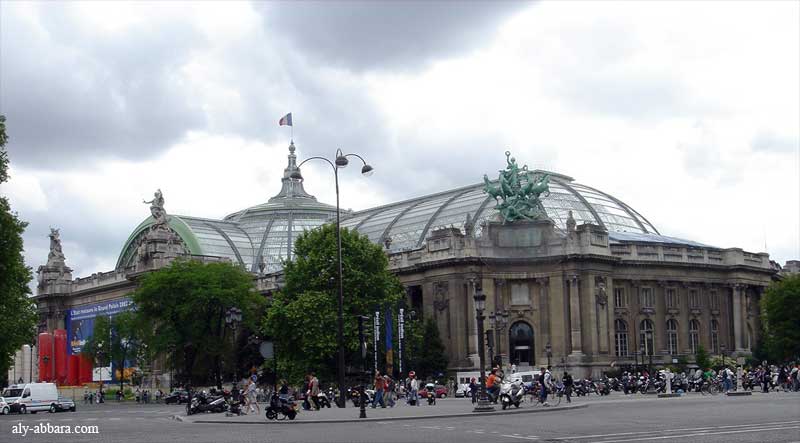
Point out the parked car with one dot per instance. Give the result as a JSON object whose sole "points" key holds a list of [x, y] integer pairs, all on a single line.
{"points": [[440, 391], [64, 404], [462, 390], [177, 397]]}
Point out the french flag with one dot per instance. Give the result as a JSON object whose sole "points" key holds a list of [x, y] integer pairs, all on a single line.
{"points": [[286, 120]]}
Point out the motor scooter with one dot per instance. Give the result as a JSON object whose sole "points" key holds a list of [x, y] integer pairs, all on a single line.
{"points": [[511, 393]]}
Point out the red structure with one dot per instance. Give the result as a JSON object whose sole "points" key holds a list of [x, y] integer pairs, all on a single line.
{"points": [[46, 357], [84, 370], [60, 354], [73, 367]]}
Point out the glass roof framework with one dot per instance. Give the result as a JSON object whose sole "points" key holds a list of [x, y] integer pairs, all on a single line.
{"points": [[265, 233], [408, 223]]}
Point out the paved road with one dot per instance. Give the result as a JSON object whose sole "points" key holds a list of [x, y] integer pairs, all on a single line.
{"points": [[760, 418]]}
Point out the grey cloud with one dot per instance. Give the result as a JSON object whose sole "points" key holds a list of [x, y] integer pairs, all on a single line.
{"points": [[364, 35], [767, 141], [71, 96]]}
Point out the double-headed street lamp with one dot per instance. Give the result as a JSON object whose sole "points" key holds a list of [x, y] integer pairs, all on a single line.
{"points": [[480, 305], [339, 162]]}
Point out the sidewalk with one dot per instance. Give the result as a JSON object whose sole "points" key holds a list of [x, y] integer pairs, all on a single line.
{"points": [[455, 407]]}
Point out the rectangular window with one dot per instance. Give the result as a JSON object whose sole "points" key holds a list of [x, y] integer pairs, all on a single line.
{"points": [[694, 340], [714, 300], [673, 343], [520, 295], [715, 343], [694, 298], [648, 301], [672, 298], [619, 298], [621, 344]]}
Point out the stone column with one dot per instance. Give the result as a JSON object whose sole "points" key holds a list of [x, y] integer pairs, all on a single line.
{"points": [[737, 317], [575, 315]]}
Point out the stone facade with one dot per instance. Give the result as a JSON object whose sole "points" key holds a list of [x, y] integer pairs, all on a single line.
{"points": [[573, 290]]}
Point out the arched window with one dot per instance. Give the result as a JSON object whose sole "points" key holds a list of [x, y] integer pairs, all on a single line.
{"points": [[715, 336], [520, 340], [694, 335], [620, 338], [672, 336], [647, 336]]}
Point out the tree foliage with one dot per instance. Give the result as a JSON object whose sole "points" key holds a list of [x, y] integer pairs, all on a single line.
{"points": [[17, 310], [115, 340], [701, 358], [186, 304], [426, 352], [302, 317], [780, 310]]}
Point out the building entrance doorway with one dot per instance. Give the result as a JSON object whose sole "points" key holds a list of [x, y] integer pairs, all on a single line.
{"points": [[521, 344]]}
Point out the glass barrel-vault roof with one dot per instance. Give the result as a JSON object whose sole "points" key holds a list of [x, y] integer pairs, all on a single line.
{"points": [[406, 224]]}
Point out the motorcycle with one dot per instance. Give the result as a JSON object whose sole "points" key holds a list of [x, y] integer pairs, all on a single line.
{"points": [[431, 388], [281, 408], [322, 400], [203, 402], [511, 393]]}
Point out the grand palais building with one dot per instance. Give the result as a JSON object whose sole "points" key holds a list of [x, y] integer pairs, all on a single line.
{"points": [[594, 282]]}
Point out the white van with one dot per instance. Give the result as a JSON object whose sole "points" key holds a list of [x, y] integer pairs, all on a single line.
{"points": [[32, 397]]}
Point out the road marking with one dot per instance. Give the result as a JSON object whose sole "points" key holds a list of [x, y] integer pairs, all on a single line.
{"points": [[90, 419], [65, 419], [520, 437], [738, 431], [619, 434], [115, 419]]}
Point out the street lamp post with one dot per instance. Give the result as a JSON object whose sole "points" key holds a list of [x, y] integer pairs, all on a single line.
{"points": [[641, 352], [232, 318], [549, 351], [497, 322], [340, 162], [480, 304]]}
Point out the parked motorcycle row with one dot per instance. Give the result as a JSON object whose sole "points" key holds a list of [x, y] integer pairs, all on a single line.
{"points": [[204, 402]]}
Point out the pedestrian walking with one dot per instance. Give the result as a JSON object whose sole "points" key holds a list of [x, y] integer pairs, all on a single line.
{"points": [[413, 389], [252, 402], [543, 382], [568, 384], [138, 395], [473, 389], [379, 387], [313, 390], [388, 393]]}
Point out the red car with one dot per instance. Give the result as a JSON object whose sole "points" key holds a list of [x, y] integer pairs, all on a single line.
{"points": [[440, 391]]}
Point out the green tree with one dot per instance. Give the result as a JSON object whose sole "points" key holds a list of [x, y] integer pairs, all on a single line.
{"points": [[426, 356], [115, 340], [17, 310], [701, 358], [780, 313], [185, 305], [302, 317]]}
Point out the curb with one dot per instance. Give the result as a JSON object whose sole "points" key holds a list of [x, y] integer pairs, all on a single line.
{"points": [[363, 420]]}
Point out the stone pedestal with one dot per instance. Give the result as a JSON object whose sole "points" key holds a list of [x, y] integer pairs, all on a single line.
{"points": [[158, 249]]}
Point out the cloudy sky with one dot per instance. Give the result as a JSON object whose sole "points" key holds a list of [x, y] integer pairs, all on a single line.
{"points": [[687, 111]]}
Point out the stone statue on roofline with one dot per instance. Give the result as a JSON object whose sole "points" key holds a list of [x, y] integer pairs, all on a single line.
{"points": [[157, 210], [518, 192], [55, 246]]}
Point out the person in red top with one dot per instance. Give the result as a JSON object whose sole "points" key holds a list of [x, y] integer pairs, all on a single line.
{"points": [[380, 386], [493, 386]]}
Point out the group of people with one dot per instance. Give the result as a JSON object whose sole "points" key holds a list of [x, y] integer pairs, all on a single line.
{"points": [[385, 391], [144, 396], [90, 397]]}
